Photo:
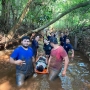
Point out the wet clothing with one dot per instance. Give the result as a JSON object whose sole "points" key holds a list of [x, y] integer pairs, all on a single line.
{"points": [[48, 37], [53, 74], [67, 47], [20, 79], [24, 55], [57, 56], [47, 49], [26, 69], [41, 61], [55, 67], [34, 47], [65, 36], [63, 40]]}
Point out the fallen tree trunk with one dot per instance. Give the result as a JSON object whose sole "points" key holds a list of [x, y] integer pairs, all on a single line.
{"points": [[54, 20], [60, 16]]}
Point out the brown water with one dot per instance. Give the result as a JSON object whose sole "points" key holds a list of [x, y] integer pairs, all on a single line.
{"points": [[78, 77]]}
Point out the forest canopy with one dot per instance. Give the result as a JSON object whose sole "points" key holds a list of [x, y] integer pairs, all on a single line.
{"points": [[34, 14]]}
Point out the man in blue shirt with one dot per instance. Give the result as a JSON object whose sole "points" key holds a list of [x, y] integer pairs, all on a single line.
{"points": [[22, 57], [35, 46], [62, 39], [67, 46], [47, 47]]}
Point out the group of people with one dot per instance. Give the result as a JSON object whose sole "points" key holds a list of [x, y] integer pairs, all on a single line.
{"points": [[65, 42], [24, 57]]}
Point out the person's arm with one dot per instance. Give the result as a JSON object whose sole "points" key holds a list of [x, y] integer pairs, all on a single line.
{"points": [[38, 59], [64, 55], [16, 62], [46, 33], [65, 65], [49, 63], [14, 56], [72, 53]]}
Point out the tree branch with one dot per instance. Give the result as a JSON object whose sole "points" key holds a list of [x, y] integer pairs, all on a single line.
{"points": [[60, 16]]}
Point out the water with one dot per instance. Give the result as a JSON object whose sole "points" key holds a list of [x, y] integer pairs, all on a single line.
{"points": [[78, 74], [77, 78]]}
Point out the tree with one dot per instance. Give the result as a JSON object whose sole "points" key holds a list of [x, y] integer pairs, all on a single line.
{"points": [[60, 16], [16, 26], [53, 21]]}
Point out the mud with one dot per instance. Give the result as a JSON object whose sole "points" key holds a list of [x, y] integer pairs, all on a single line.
{"points": [[78, 76]]}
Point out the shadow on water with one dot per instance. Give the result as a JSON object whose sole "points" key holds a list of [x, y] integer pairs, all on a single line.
{"points": [[78, 77]]}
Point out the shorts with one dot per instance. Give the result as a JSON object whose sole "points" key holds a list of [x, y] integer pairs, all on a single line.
{"points": [[53, 74]]}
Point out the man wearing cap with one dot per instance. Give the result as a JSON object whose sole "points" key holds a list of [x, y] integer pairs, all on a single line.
{"points": [[58, 54], [22, 57]]}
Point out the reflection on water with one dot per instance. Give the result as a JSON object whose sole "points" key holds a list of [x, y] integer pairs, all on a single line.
{"points": [[44, 85], [82, 64], [78, 77], [66, 83]]}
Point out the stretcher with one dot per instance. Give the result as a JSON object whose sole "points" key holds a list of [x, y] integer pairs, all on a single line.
{"points": [[43, 72]]}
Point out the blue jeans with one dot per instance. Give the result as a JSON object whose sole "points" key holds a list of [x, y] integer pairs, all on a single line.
{"points": [[20, 79]]}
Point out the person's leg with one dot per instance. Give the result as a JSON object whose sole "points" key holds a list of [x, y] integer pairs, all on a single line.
{"points": [[53, 74], [20, 79]]}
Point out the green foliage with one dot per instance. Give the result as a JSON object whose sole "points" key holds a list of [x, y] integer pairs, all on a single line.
{"points": [[43, 11]]}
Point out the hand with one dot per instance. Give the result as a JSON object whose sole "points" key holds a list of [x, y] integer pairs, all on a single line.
{"points": [[19, 62], [47, 70], [72, 56], [63, 73]]}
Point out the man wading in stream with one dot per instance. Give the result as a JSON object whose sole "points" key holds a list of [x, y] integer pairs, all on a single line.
{"points": [[58, 54], [22, 57]]}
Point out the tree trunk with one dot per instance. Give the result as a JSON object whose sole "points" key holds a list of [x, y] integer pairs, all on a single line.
{"points": [[75, 42], [14, 15], [5, 14], [8, 17], [53, 21], [16, 26]]}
